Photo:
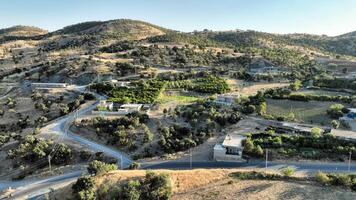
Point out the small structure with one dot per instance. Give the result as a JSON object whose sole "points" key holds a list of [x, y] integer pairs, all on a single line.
{"points": [[260, 66], [48, 85], [105, 105], [230, 149], [225, 99], [131, 107]]}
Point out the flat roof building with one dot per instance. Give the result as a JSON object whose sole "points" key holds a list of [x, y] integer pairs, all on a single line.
{"points": [[230, 149]]}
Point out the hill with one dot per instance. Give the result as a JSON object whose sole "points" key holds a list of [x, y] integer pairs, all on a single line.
{"points": [[122, 29], [22, 31]]}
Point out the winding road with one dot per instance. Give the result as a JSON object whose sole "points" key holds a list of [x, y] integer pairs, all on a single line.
{"points": [[28, 189]]}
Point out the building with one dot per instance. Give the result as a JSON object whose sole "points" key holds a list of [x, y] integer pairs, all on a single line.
{"points": [[260, 66], [132, 107], [226, 99], [105, 105], [231, 148]]}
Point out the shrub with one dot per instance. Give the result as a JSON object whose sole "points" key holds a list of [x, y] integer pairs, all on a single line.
{"points": [[322, 178], [288, 171], [316, 132], [134, 165], [97, 167]]}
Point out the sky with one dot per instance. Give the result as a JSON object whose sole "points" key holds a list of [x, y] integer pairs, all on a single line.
{"points": [[330, 17]]}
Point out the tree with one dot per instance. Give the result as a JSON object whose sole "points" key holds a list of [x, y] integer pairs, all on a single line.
{"points": [[156, 187], [335, 111], [296, 85], [83, 188], [83, 183], [130, 191], [97, 167], [258, 150], [316, 132], [335, 124], [248, 146]]}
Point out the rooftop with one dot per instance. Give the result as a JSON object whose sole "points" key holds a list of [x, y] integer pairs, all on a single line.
{"points": [[232, 140], [130, 105]]}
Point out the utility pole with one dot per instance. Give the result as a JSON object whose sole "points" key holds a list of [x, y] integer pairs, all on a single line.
{"points": [[49, 163], [349, 168], [121, 163], [266, 159], [190, 158]]}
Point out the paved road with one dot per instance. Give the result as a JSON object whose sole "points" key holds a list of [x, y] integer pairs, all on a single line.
{"points": [[307, 167], [31, 188], [61, 127]]}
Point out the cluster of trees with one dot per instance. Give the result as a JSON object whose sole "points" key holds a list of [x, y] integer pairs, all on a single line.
{"points": [[118, 47], [33, 149], [203, 117], [314, 146], [126, 131], [152, 187], [210, 84], [332, 82], [141, 92], [284, 93]]}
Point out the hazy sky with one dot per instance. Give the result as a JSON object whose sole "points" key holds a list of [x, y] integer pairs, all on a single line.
{"points": [[331, 17]]}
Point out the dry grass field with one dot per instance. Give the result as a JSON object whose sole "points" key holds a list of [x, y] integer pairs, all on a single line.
{"points": [[214, 184], [310, 112]]}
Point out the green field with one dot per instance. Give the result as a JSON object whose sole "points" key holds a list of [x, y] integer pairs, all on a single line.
{"points": [[308, 112], [176, 97]]}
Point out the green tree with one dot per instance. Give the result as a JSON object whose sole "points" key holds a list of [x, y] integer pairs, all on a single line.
{"points": [[295, 85], [97, 167], [156, 187], [131, 191], [335, 123], [335, 111], [316, 132]]}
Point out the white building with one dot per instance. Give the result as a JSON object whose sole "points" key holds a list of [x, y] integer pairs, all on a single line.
{"points": [[107, 105], [132, 107], [230, 149], [227, 100]]}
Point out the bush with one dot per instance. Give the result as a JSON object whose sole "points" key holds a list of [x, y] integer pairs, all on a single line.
{"points": [[322, 178], [288, 171], [83, 183], [97, 167]]}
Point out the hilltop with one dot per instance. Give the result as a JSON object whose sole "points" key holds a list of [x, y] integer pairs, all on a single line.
{"points": [[22, 31]]}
